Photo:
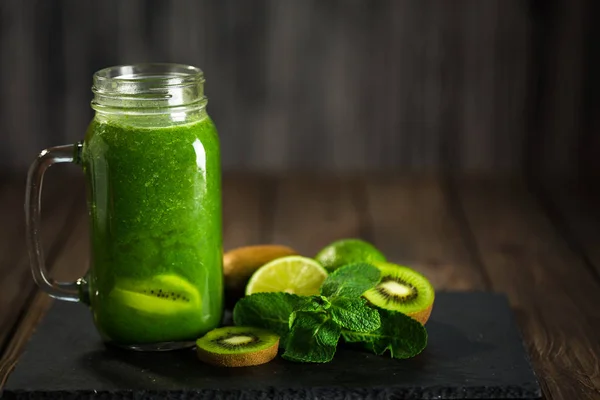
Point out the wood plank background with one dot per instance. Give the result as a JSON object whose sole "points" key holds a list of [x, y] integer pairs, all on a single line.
{"points": [[464, 233], [337, 85]]}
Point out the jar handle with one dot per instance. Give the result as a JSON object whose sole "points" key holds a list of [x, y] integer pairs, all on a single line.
{"points": [[69, 291]]}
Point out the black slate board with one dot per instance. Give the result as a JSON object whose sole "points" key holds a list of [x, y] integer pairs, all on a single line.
{"points": [[474, 352]]}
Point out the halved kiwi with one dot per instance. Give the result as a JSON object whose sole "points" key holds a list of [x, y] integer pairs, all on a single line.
{"points": [[402, 289], [237, 346], [162, 294]]}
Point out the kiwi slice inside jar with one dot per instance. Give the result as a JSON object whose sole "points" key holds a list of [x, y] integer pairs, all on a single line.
{"points": [[162, 295]]}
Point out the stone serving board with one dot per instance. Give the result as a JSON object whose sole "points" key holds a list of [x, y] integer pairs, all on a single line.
{"points": [[475, 351]]}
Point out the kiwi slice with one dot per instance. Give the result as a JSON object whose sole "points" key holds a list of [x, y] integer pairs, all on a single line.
{"points": [[163, 294], [402, 289], [237, 346]]}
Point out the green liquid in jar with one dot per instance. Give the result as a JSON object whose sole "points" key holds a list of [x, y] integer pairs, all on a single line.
{"points": [[154, 195]]}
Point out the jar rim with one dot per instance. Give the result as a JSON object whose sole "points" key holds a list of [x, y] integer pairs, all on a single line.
{"points": [[159, 74], [148, 88]]}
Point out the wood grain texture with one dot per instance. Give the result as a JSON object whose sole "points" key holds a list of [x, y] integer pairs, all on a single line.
{"points": [[242, 220], [12, 195], [59, 206], [413, 223], [554, 295], [562, 111], [589, 141], [335, 85], [70, 263], [573, 208], [463, 234], [309, 212]]}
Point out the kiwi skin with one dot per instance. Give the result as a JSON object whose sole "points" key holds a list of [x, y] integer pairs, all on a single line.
{"points": [[208, 351], [422, 315], [240, 263]]}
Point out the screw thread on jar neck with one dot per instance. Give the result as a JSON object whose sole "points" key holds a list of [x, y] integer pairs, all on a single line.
{"points": [[143, 89]]}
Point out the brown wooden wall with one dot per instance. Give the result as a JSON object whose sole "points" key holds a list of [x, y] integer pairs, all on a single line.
{"points": [[484, 85]]}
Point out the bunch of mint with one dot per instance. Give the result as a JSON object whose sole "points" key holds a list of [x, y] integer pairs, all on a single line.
{"points": [[310, 327]]}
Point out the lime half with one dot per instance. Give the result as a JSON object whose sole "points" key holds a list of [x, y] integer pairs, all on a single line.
{"points": [[348, 251], [292, 274]]}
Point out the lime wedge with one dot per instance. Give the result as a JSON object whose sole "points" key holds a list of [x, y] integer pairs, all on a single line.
{"points": [[292, 274]]}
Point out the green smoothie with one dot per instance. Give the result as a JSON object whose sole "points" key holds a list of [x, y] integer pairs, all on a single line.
{"points": [[154, 197]]}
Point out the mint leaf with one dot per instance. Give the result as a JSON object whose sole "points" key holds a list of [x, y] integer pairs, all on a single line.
{"points": [[354, 314], [314, 303], [403, 336], [351, 280], [269, 311], [313, 338]]}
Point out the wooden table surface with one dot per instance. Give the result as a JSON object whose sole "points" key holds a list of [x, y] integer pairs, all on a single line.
{"points": [[540, 246]]}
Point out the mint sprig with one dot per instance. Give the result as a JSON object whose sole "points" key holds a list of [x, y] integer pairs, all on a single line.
{"points": [[399, 334], [268, 311], [351, 281], [313, 337], [310, 326], [315, 328], [354, 315]]}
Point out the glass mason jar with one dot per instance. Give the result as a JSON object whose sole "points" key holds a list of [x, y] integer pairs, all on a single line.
{"points": [[152, 168]]}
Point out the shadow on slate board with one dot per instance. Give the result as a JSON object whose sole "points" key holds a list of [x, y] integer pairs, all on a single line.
{"points": [[474, 352]]}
